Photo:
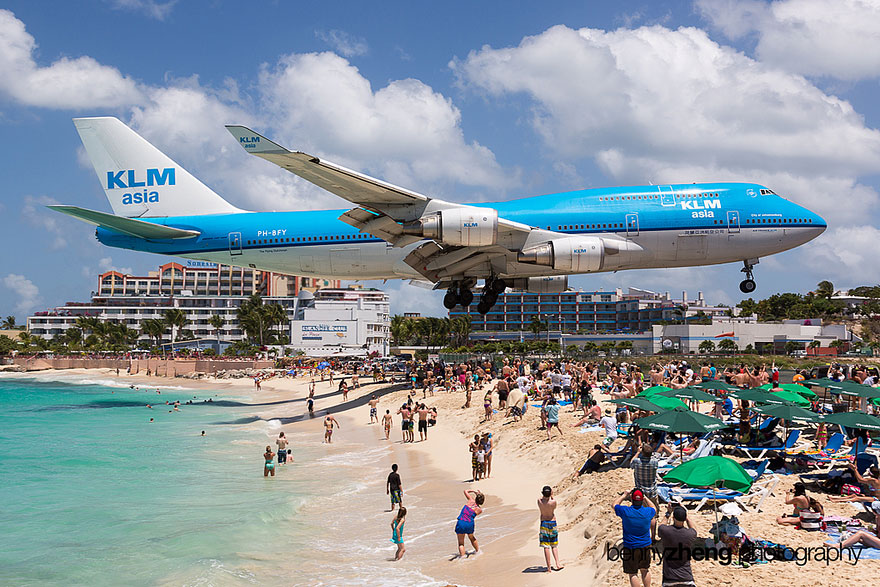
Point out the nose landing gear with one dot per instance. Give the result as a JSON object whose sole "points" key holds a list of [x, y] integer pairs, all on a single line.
{"points": [[748, 285]]}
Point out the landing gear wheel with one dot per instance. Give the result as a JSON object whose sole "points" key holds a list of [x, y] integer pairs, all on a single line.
{"points": [[498, 286], [483, 307], [450, 300], [747, 286], [465, 297]]}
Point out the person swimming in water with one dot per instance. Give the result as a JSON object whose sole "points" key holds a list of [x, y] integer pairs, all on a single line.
{"points": [[269, 465]]}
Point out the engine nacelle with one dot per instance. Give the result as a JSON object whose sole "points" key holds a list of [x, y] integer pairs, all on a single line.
{"points": [[460, 227], [547, 284], [570, 254]]}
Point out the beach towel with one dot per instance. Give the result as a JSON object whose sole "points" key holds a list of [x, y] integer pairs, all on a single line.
{"points": [[865, 553]]}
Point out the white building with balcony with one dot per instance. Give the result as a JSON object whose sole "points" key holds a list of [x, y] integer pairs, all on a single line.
{"points": [[342, 322]]}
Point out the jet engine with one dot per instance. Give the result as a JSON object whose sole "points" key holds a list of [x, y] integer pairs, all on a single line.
{"points": [[460, 227], [570, 254], [548, 284]]}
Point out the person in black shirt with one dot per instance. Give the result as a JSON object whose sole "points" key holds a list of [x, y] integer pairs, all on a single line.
{"points": [[394, 488]]}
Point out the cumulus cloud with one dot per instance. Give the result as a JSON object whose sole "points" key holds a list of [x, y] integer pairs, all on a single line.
{"points": [[849, 254], [66, 83], [344, 43], [840, 39], [28, 293]]}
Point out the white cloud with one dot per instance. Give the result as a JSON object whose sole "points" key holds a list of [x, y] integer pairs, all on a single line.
{"points": [[839, 39], [405, 132], [848, 254], [24, 288], [153, 9], [66, 83], [344, 43], [36, 214], [106, 264]]}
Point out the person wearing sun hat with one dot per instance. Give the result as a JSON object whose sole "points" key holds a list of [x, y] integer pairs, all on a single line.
{"points": [[639, 522]]}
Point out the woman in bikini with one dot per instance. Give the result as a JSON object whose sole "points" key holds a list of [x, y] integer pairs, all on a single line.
{"points": [[797, 498], [269, 465], [464, 525]]}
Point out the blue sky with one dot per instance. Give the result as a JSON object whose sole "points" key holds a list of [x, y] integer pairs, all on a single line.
{"points": [[465, 101]]}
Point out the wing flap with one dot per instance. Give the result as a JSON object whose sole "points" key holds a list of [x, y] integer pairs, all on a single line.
{"points": [[378, 225], [129, 226]]}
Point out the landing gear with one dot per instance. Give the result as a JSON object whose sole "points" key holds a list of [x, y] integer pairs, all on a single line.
{"points": [[748, 284], [494, 287], [458, 294]]}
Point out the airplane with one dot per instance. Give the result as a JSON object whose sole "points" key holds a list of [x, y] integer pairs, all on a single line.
{"points": [[532, 243]]}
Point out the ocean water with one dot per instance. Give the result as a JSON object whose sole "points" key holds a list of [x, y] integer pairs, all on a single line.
{"points": [[92, 493]]}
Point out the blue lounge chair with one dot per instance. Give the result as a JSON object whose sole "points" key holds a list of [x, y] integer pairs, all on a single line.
{"points": [[792, 439]]}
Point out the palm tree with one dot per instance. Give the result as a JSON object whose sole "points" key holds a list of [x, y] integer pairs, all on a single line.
{"points": [[8, 323], [253, 318], [87, 323], [176, 319], [707, 346], [216, 321], [402, 329], [154, 329], [536, 325], [276, 315]]}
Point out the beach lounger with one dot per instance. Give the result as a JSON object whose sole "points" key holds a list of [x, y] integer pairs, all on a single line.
{"points": [[792, 439]]}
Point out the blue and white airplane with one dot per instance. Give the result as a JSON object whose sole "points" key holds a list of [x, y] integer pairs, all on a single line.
{"points": [[394, 233]]}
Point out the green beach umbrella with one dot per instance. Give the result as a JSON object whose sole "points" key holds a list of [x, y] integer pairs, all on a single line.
{"points": [[822, 382], [794, 387], [759, 397], [681, 420], [791, 397], [653, 390], [668, 403], [788, 412], [711, 471], [857, 389], [854, 419], [715, 385], [639, 403], [691, 393]]}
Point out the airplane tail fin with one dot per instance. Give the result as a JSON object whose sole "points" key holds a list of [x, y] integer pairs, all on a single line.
{"points": [[139, 180]]}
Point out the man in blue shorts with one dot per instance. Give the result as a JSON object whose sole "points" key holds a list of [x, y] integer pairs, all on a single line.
{"points": [[639, 525]]}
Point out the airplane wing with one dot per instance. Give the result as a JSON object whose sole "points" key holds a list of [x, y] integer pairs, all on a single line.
{"points": [[129, 226]]}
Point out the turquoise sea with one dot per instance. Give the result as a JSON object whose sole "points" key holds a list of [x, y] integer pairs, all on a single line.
{"points": [[92, 493]]}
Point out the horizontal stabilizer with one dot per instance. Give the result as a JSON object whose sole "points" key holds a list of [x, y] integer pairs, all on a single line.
{"points": [[129, 226]]}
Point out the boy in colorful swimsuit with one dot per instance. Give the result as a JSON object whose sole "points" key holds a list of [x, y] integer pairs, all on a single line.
{"points": [[549, 535], [374, 414], [464, 526]]}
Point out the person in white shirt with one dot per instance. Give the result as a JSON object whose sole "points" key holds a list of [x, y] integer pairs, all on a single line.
{"points": [[609, 422]]}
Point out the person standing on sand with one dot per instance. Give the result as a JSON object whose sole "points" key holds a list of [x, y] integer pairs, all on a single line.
{"points": [[397, 532], [282, 442], [474, 447], [386, 421], [464, 525], [373, 410], [310, 403], [329, 422], [552, 410], [548, 536], [677, 541], [405, 415], [268, 465], [488, 445], [639, 523], [394, 487], [423, 422]]}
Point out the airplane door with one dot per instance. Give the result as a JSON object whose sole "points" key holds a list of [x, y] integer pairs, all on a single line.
{"points": [[667, 197], [632, 225], [732, 222], [235, 243]]}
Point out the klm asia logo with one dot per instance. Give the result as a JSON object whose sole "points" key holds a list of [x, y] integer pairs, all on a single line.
{"points": [[249, 142], [129, 178], [702, 209]]}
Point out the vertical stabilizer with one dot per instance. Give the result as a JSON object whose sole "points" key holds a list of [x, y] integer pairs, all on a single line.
{"points": [[138, 179]]}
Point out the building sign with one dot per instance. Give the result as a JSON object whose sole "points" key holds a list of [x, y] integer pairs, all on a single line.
{"points": [[315, 333], [200, 264]]}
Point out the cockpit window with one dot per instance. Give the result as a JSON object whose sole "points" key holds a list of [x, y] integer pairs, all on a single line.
{"points": [[768, 192]]}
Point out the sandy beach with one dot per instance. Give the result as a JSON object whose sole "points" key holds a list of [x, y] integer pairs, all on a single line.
{"points": [[436, 472]]}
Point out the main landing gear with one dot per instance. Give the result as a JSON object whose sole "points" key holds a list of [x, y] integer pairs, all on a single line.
{"points": [[494, 287], [458, 294], [748, 285]]}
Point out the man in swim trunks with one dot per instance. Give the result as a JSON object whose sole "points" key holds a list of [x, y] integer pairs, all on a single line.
{"points": [[549, 535], [386, 420], [373, 410], [405, 414], [394, 487], [282, 442], [329, 422], [423, 422]]}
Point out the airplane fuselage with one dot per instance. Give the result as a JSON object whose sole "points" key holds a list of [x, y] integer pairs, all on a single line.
{"points": [[672, 226]]}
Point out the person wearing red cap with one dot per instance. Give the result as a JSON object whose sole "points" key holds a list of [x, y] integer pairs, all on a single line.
{"points": [[639, 525]]}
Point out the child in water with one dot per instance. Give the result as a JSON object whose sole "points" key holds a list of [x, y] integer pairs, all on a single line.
{"points": [[397, 532]]}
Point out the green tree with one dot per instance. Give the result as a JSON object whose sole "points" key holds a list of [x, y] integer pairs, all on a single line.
{"points": [[216, 321], [154, 329], [707, 346], [87, 324], [255, 319], [8, 323], [825, 289], [536, 326], [277, 316], [814, 344], [401, 329], [727, 345], [792, 346], [748, 307], [176, 319], [7, 345]]}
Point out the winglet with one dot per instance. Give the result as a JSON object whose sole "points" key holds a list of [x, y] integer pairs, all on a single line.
{"points": [[254, 142]]}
